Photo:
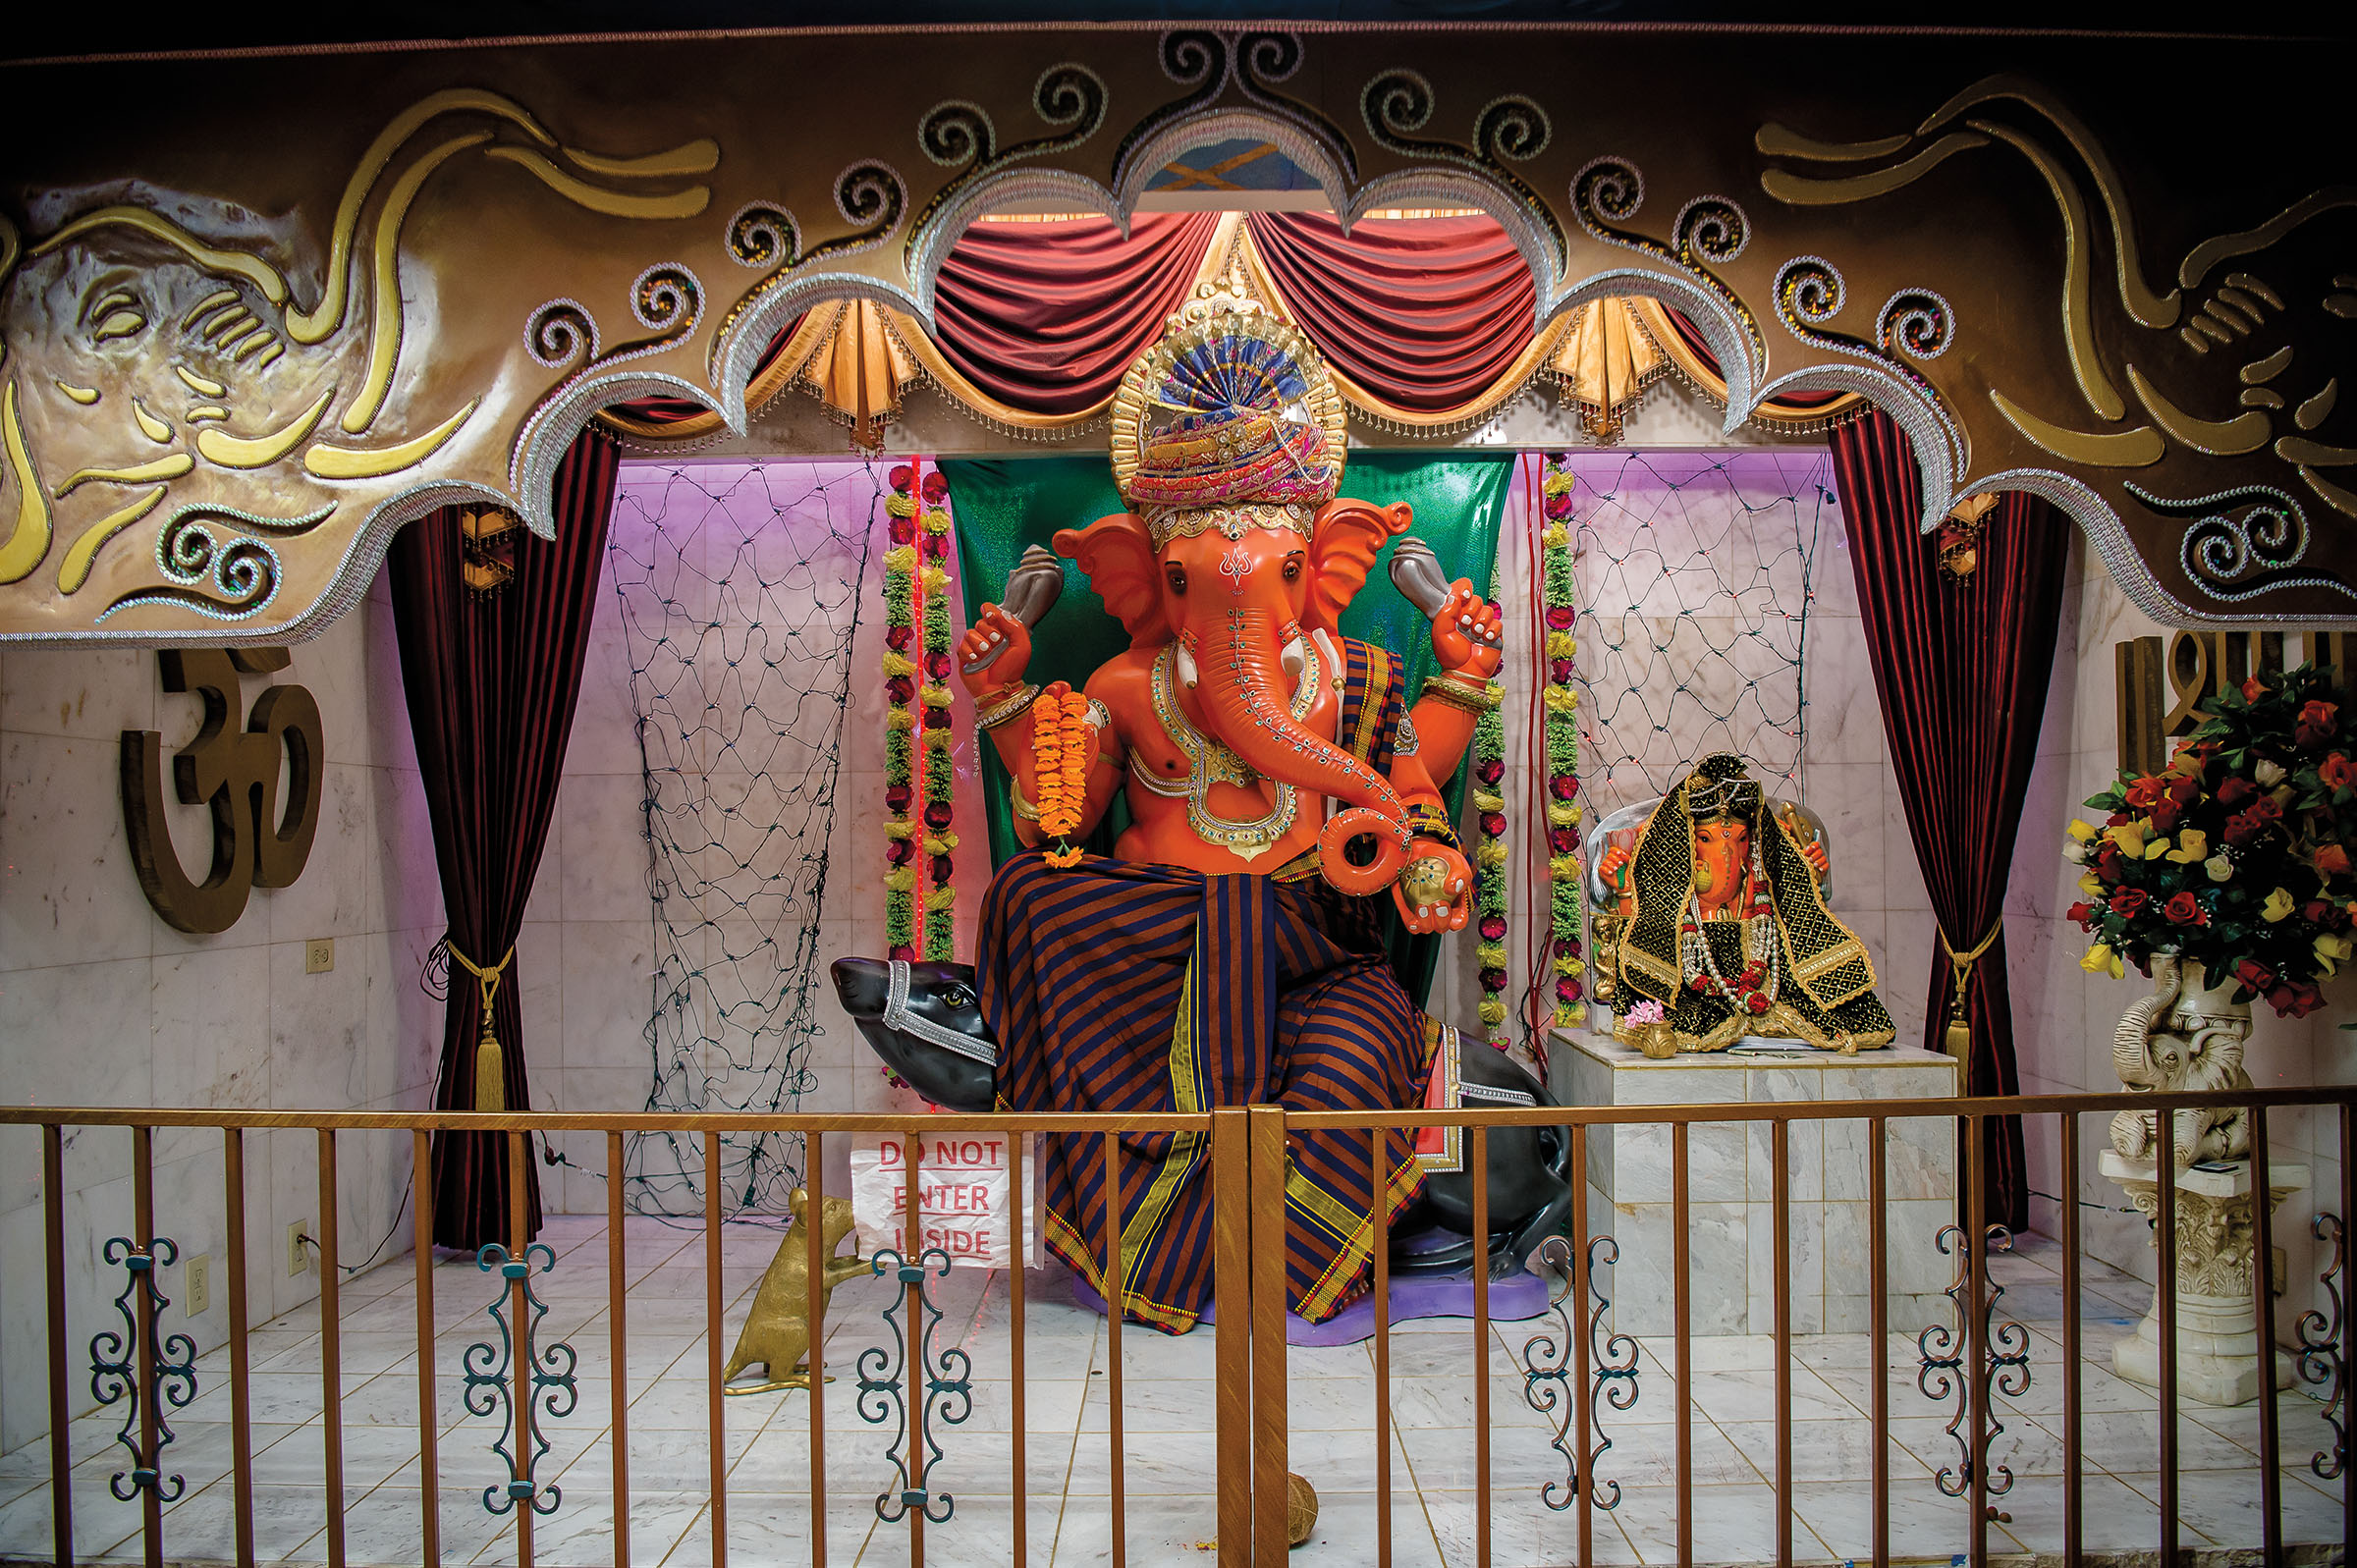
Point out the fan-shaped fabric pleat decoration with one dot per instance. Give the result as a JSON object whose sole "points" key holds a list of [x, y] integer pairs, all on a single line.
{"points": [[1426, 313], [1048, 316]]}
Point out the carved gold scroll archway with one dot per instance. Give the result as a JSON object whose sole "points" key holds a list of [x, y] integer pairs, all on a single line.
{"points": [[257, 312]]}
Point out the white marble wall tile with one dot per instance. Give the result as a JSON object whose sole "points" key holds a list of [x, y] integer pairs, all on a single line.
{"points": [[80, 693], [78, 1035], [604, 864], [330, 897], [70, 895]]}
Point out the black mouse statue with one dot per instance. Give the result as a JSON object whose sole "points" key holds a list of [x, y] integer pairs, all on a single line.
{"points": [[925, 1021]]}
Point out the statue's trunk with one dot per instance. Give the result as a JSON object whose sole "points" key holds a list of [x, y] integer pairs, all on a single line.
{"points": [[1238, 667]]}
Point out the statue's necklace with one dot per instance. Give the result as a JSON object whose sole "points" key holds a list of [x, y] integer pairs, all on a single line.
{"points": [[1753, 990], [1209, 762]]}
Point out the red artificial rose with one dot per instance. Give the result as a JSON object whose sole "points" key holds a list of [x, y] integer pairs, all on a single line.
{"points": [[2332, 859], [2145, 794], [2082, 914], [2184, 792], [2118, 819], [2128, 902], [2314, 724], [2253, 689], [2106, 862], [2254, 974], [2337, 773], [2166, 817], [2264, 809], [937, 486], [2236, 792], [2295, 1000], [2242, 828], [2323, 912], [902, 477], [2184, 909]]}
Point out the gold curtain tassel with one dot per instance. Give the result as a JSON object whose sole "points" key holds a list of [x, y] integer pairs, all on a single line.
{"points": [[1957, 1042], [490, 1063]]}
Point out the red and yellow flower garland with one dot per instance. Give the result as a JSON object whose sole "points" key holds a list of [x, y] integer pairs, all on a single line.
{"points": [[916, 613], [1558, 596]]}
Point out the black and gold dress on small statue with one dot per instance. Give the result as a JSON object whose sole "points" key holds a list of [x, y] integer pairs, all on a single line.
{"points": [[1778, 964]]}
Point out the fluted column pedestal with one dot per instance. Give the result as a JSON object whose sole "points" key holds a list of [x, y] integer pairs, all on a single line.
{"points": [[2217, 1359]]}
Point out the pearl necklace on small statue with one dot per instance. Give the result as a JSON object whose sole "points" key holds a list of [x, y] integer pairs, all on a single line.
{"points": [[1753, 990]]}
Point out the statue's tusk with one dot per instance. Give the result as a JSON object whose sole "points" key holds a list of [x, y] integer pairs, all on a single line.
{"points": [[1186, 666]]}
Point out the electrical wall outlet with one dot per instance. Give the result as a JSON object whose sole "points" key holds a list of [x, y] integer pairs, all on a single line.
{"points": [[318, 955], [298, 1247], [201, 1286]]}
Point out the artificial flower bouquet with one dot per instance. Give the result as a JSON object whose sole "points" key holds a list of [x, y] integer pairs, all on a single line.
{"points": [[2237, 856]]}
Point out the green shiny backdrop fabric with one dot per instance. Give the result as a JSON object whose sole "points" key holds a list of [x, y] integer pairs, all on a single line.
{"points": [[1003, 505]]}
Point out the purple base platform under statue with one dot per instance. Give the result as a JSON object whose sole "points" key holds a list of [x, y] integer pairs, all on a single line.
{"points": [[1513, 1299]]}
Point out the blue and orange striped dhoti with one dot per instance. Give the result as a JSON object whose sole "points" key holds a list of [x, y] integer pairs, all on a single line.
{"points": [[1118, 986]]}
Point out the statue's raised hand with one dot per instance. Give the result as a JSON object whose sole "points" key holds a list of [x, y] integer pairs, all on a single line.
{"points": [[1000, 639], [1469, 632]]}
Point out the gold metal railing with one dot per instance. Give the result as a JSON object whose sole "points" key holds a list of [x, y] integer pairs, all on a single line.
{"points": [[1247, 1175]]}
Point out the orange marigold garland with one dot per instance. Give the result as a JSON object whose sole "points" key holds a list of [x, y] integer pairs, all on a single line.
{"points": [[1062, 744]]}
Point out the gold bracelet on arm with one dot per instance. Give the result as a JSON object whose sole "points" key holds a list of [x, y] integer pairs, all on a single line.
{"points": [[1456, 692], [1005, 710]]}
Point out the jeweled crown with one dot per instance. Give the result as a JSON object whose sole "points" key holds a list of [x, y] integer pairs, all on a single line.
{"points": [[1719, 790], [1230, 415]]}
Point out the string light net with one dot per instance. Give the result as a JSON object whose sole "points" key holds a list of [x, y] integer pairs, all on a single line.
{"points": [[1695, 578], [738, 590]]}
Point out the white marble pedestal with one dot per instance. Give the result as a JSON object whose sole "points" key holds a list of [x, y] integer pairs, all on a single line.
{"points": [[2218, 1361], [1730, 1206]]}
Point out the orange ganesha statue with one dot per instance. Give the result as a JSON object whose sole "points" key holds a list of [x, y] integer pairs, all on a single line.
{"points": [[1282, 797], [1718, 918]]}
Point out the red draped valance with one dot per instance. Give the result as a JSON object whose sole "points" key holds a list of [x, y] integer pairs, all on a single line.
{"points": [[1428, 322], [1424, 312]]}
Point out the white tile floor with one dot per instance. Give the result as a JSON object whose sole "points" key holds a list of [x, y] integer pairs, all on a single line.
{"points": [[1169, 1462]]}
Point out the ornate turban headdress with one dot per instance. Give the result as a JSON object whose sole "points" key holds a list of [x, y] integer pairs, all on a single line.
{"points": [[1230, 421]]}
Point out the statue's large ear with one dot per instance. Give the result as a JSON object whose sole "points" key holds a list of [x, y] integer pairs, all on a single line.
{"points": [[1349, 535], [1120, 562]]}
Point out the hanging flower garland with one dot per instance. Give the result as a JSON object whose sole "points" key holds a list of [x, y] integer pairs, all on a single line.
{"points": [[901, 734], [1061, 746], [933, 580], [917, 672], [1491, 886], [1558, 596]]}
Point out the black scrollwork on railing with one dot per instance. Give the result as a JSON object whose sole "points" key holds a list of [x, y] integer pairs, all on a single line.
{"points": [[551, 1371], [115, 1368], [949, 1391], [2319, 1353], [2004, 1365], [1547, 1374]]}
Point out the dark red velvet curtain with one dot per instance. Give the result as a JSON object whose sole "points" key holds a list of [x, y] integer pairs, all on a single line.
{"points": [[1424, 312], [1048, 316], [491, 682], [1961, 667], [1789, 402]]}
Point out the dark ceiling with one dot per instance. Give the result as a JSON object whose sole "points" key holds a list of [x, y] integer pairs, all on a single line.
{"points": [[76, 30]]}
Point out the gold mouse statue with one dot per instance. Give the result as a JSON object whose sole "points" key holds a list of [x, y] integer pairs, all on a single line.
{"points": [[777, 1332]]}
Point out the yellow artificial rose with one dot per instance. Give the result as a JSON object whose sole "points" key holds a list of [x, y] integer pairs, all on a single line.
{"points": [[2130, 838], [2083, 831], [2102, 961], [2277, 906], [2092, 886], [2332, 949], [2192, 845]]}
